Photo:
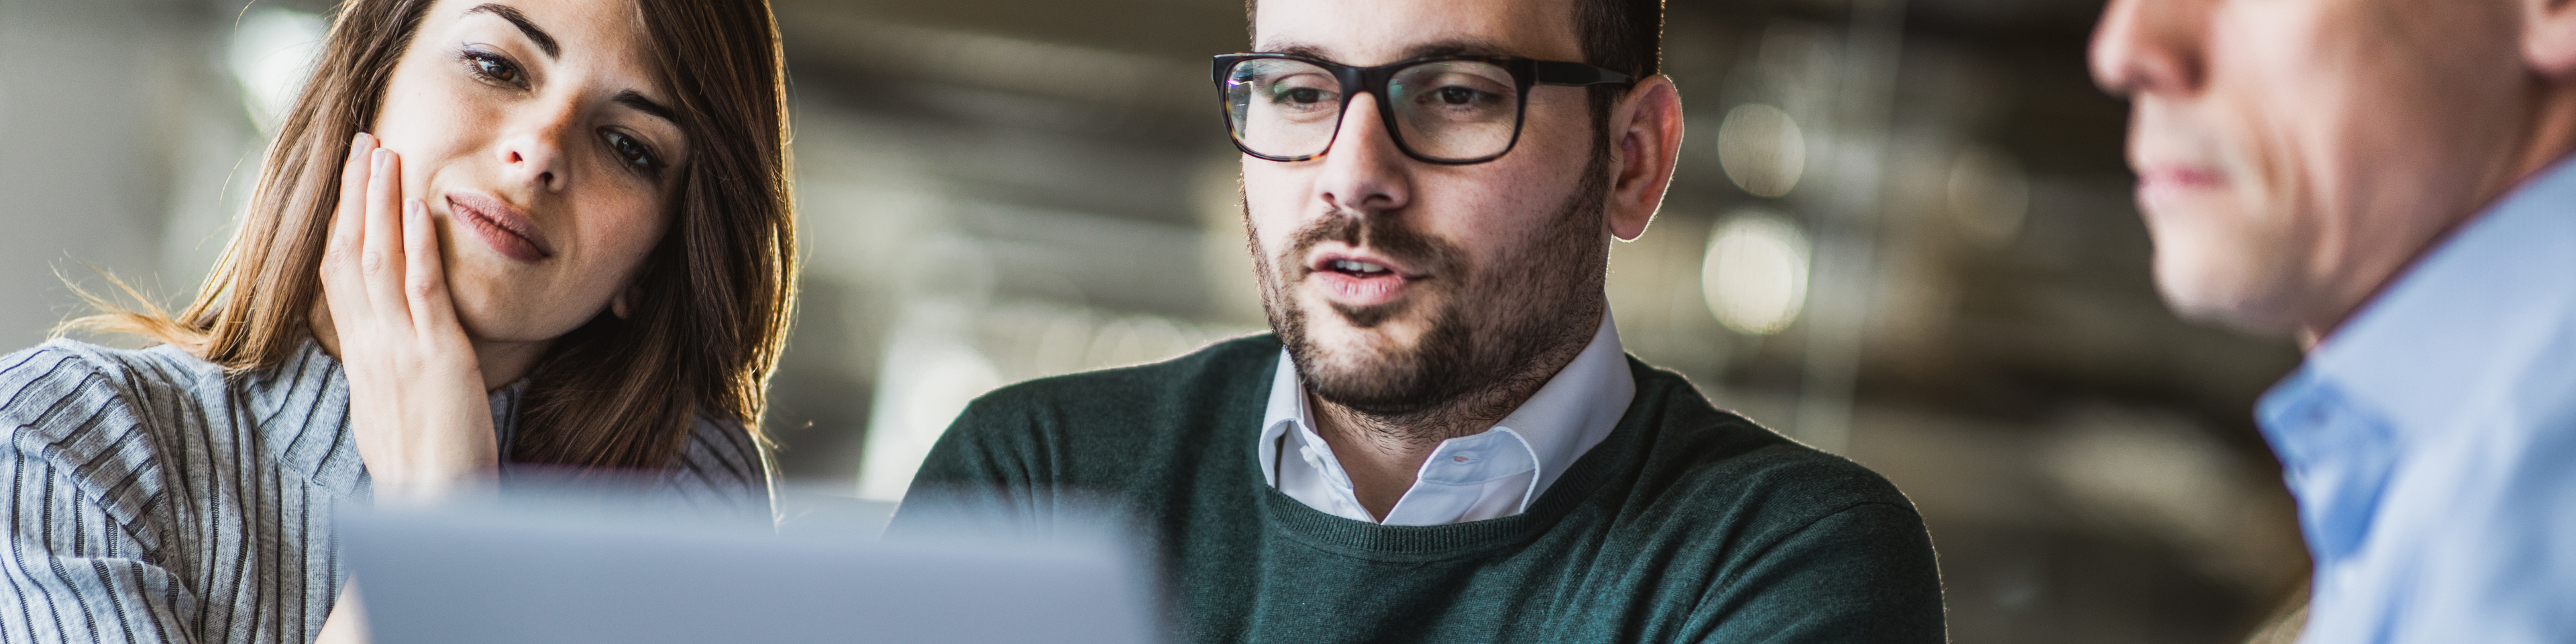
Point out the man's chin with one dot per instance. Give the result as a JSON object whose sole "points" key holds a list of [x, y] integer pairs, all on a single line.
{"points": [[1377, 368], [1333, 336], [2242, 295], [1370, 316], [1372, 384]]}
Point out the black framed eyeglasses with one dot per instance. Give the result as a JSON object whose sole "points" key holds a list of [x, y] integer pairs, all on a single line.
{"points": [[1451, 110]]}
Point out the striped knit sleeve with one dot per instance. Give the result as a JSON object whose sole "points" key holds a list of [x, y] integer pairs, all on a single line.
{"points": [[80, 474], [723, 473]]}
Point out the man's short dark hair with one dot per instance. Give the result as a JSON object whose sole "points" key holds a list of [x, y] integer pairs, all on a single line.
{"points": [[1626, 36], [1622, 35]]}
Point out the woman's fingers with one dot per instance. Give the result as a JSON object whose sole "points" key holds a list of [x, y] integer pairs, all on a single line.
{"points": [[341, 285], [381, 256], [426, 278], [346, 228], [418, 410]]}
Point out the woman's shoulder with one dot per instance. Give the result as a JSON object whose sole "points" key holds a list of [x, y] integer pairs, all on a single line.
{"points": [[64, 384], [722, 449], [723, 469], [85, 414], [719, 476]]}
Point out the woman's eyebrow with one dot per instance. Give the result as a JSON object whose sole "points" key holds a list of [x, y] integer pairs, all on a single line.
{"points": [[544, 41], [636, 100]]}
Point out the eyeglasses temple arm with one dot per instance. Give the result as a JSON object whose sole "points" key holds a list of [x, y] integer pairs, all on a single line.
{"points": [[1550, 72]]}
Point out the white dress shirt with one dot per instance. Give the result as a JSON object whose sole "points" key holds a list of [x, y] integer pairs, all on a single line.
{"points": [[1492, 474]]}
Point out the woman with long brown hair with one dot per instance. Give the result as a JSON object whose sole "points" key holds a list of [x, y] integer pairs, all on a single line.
{"points": [[489, 234]]}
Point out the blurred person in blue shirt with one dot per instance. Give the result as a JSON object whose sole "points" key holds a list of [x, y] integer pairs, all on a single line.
{"points": [[2386, 179]]}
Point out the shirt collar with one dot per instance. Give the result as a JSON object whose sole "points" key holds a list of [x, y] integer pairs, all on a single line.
{"points": [[2465, 321], [1287, 410], [1577, 407], [1567, 416], [2451, 336]]}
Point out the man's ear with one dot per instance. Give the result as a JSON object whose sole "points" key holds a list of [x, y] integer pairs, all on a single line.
{"points": [[1647, 140], [2549, 38]]}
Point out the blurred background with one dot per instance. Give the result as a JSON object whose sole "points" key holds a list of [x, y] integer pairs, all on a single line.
{"points": [[1901, 231]]}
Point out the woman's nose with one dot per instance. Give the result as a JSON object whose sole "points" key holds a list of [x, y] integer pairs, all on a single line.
{"points": [[534, 152]]}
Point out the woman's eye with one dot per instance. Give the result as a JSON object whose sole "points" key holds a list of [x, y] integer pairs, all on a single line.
{"points": [[632, 151], [492, 67]]}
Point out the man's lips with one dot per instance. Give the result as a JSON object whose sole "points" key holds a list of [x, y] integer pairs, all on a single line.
{"points": [[2179, 177], [504, 228], [1359, 279]]}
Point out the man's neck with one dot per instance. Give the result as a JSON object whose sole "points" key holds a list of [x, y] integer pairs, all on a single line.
{"points": [[1381, 454], [2550, 139]]}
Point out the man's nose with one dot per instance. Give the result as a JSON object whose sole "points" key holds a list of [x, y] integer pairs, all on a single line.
{"points": [[2151, 46], [1364, 172]]}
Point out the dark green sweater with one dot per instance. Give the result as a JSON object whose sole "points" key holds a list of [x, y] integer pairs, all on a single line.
{"points": [[1686, 524]]}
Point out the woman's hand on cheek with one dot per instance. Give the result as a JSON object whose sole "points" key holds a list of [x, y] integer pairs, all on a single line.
{"points": [[422, 421]]}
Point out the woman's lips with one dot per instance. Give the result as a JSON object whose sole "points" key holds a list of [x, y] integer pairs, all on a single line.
{"points": [[500, 226]]}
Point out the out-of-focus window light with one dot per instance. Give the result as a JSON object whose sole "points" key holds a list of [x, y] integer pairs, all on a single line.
{"points": [[1755, 275], [272, 51], [1989, 195], [931, 371], [1761, 149], [944, 353]]}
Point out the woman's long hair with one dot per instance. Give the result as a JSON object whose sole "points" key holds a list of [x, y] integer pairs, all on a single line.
{"points": [[712, 301]]}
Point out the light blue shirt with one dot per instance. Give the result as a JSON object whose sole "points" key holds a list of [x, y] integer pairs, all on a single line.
{"points": [[2431, 441]]}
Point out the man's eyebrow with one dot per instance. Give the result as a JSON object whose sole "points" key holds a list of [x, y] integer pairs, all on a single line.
{"points": [[544, 42], [1297, 49], [1435, 48], [636, 100], [1457, 48]]}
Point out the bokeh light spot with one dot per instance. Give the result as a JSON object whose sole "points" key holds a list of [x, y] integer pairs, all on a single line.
{"points": [[1761, 149], [270, 55], [1755, 274]]}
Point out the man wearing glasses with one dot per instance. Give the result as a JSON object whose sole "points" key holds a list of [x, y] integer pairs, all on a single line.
{"points": [[1444, 441]]}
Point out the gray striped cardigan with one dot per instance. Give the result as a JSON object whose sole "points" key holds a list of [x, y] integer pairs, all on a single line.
{"points": [[154, 498]]}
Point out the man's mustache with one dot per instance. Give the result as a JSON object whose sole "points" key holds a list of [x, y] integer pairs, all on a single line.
{"points": [[1378, 233]]}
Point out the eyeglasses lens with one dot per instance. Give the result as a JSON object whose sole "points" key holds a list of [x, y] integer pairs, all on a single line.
{"points": [[1283, 108], [1445, 110], [1455, 110]]}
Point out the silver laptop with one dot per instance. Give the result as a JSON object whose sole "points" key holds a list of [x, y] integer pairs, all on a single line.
{"points": [[565, 572]]}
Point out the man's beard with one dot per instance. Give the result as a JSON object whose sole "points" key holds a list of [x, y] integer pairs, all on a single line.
{"points": [[1492, 323]]}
